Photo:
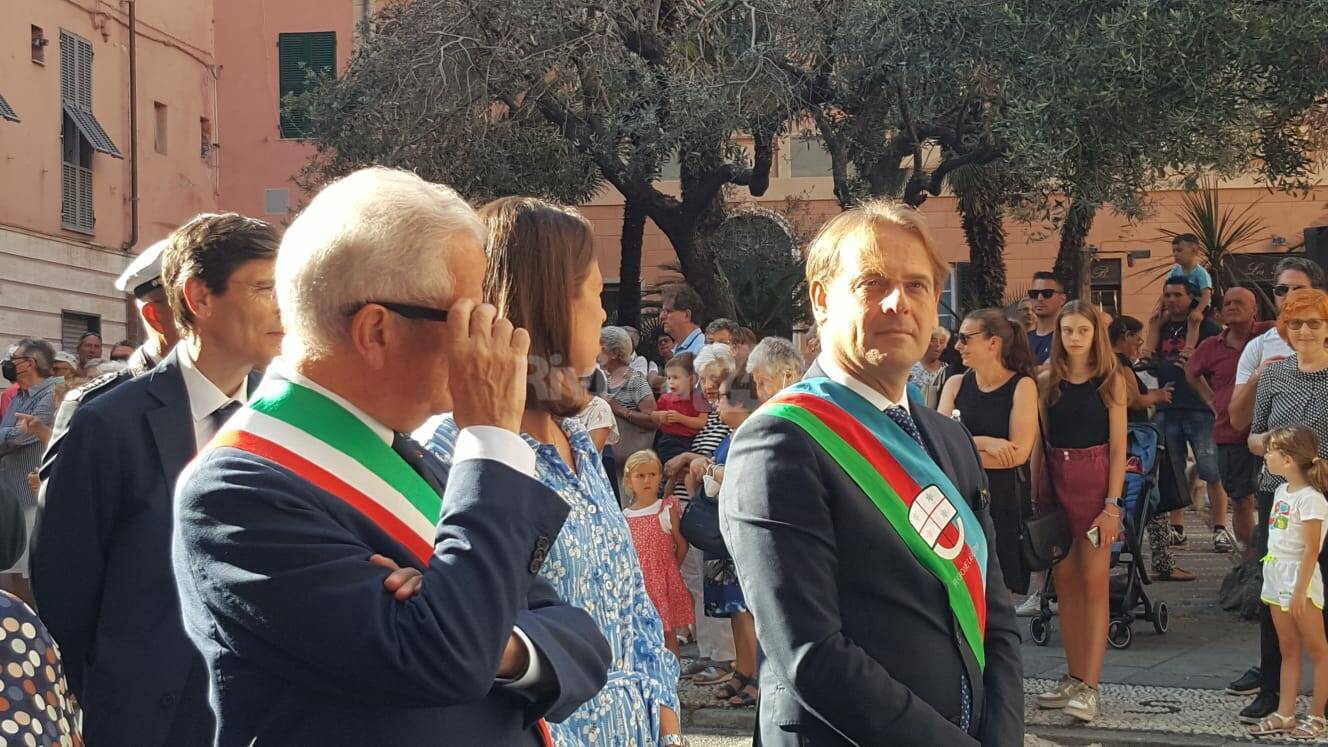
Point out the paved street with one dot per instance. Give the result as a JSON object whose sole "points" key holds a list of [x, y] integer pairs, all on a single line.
{"points": [[1163, 689]]}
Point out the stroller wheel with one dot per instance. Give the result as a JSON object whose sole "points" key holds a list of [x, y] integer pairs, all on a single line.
{"points": [[1040, 631], [1120, 634], [1161, 617]]}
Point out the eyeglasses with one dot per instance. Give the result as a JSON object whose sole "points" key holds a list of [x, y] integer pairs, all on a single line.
{"points": [[409, 311], [1045, 293], [1315, 324], [1282, 290], [964, 337], [21, 358]]}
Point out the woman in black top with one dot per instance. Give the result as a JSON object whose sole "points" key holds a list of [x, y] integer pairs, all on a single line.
{"points": [[1083, 400], [997, 401]]}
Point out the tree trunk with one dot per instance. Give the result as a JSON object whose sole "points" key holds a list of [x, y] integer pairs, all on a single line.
{"points": [[984, 229], [629, 272], [1072, 263]]}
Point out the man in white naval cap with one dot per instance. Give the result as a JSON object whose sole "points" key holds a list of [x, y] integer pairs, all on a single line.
{"points": [[142, 280]]}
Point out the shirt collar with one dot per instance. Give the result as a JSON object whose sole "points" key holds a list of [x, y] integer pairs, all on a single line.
{"points": [[838, 375], [36, 390], [687, 343], [205, 397], [280, 368]]}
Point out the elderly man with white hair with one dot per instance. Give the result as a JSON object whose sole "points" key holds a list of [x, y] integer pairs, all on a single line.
{"points": [[774, 364], [343, 588]]}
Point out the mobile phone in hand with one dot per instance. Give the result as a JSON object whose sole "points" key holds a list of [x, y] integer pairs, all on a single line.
{"points": [[1095, 537]]}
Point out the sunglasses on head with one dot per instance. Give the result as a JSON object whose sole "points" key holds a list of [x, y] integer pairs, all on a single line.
{"points": [[1282, 290], [1315, 324], [406, 310], [964, 337], [1045, 293]]}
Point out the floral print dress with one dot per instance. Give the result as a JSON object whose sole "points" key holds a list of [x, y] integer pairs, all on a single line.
{"points": [[594, 566]]}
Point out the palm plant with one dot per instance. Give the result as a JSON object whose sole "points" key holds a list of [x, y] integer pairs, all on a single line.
{"points": [[1221, 232]]}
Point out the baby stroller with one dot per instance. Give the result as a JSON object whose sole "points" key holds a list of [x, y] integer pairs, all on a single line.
{"points": [[1145, 455]]}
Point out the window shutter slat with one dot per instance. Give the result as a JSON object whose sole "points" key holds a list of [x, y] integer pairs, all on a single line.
{"points": [[298, 55], [85, 74], [68, 68]]}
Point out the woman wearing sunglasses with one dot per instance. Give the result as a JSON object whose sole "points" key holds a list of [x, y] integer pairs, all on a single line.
{"points": [[1292, 391], [997, 400]]}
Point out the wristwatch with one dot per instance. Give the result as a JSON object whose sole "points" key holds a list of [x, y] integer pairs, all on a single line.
{"points": [[674, 740], [1115, 501]]}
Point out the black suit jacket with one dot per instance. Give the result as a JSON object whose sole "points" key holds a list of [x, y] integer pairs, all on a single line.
{"points": [[101, 565], [306, 648], [860, 644]]}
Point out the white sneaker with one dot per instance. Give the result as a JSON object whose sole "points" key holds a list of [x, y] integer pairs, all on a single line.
{"points": [[1030, 607]]}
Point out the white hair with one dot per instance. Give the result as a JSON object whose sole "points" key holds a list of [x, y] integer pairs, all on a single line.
{"points": [[715, 357], [775, 356], [616, 343], [378, 234]]}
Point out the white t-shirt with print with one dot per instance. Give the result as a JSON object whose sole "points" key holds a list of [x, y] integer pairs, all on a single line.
{"points": [[1286, 539]]}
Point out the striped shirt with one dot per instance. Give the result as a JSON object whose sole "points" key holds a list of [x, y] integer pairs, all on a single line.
{"points": [[1287, 396], [631, 392], [21, 452], [706, 440]]}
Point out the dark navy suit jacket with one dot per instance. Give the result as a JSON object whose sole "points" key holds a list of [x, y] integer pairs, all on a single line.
{"points": [[305, 647], [860, 644], [101, 564]]}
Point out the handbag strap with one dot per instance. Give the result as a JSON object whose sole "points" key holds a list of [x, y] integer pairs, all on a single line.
{"points": [[1046, 456]]}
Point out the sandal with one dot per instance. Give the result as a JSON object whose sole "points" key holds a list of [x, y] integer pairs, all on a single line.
{"points": [[747, 697], [1272, 724], [734, 686], [1310, 727]]}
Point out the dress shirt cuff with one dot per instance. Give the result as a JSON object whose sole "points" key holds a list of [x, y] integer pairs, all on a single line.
{"points": [[498, 444], [533, 670]]}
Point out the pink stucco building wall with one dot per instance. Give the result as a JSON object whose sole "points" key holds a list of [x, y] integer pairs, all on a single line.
{"points": [[255, 158], [48, 272]]}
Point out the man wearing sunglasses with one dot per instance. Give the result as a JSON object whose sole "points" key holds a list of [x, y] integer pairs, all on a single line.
{"points": [[1292, 274], [1048, 296]]}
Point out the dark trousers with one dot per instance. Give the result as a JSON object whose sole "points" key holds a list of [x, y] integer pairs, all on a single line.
{"points": [[1270, 655]]}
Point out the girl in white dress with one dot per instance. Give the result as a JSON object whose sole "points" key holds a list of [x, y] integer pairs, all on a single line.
{"points": [[1292, 580]]}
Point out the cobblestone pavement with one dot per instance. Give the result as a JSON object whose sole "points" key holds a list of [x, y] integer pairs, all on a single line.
{"points": [[1163, 689]]}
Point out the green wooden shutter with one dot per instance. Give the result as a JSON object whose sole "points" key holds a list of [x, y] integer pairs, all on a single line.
{"points": [[298, 55]]}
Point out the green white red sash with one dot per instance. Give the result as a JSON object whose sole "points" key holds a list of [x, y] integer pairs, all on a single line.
{"points": [[325, 444], [918, 500]]}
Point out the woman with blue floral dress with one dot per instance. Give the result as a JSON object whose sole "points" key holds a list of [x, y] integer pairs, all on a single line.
{"points": [[538, 255]]}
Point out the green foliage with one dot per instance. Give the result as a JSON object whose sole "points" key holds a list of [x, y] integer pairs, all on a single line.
{"points": [[1221, 232]]}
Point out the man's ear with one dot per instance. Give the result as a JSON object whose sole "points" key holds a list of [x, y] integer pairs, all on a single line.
{"points": [[818, 292], [151, 314], [198, 298], [371, 332]]}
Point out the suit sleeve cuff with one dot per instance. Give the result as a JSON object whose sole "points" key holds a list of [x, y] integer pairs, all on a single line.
{"points": [[533, 670], [497, 444]]}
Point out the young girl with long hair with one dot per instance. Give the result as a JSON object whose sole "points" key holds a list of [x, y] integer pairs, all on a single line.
{"points": [[1082, 399], [1291, 577]]}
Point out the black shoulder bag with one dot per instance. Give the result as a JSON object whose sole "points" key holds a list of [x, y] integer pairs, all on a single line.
{"points": [[1046, 533]]}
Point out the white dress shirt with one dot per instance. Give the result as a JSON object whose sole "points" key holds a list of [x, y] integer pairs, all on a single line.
{"points": [[205, 397], [475, 442], [840, 376]]}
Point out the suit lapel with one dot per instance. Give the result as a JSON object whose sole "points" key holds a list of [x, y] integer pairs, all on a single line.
{"points": [[171, 423]]}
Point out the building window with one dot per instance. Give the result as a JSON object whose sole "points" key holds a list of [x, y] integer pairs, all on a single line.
{"points": [[276, 201], [205, 137], [160, 127], [73, 325], [948, 310], [7, 111], [299, 55], [809, 157], [80, 132], [39, 43]]}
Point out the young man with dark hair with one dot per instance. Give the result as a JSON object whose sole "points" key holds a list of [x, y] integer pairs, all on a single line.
{"points": [[102, 570], [1187, 421], [1048, 296]]}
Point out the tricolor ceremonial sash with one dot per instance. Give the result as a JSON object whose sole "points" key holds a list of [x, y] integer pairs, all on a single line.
{"points": [[325, 444], [918, 500]]}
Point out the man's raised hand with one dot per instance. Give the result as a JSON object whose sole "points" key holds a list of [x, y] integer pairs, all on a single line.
{"points": [[487, 359]]}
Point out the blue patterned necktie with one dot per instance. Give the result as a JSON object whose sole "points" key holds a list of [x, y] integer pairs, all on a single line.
{"points": [[904, 420]]}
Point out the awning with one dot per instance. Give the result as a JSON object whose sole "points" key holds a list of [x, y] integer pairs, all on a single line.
{"points": [[91, 129], [7, 111]]}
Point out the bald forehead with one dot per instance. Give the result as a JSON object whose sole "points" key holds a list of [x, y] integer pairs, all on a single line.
{"points": [[1239, 294]]}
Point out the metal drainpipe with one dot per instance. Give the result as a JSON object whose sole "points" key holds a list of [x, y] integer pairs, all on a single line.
{"points": [[133, 128]]}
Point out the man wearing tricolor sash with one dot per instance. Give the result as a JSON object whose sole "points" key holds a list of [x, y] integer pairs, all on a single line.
{"points": [[344, 587], [858, 524]]}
